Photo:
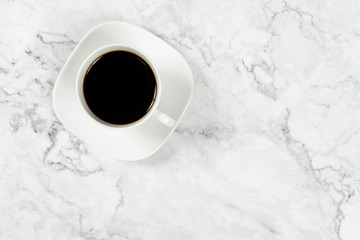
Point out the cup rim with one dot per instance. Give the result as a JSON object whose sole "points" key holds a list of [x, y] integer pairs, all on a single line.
{"points": [[85, 67]]}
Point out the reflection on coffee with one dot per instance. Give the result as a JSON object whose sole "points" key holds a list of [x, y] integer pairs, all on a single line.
{"points": [[119, 87]]}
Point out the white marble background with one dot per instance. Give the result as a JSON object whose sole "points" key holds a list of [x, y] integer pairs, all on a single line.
{"points": [[269, 148]]}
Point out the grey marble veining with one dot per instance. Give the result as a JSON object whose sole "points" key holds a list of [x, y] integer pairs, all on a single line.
{"points": [[268, 149]]}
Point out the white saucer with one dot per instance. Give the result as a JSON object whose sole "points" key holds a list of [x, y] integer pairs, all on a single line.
{"points": [[136, 142]]}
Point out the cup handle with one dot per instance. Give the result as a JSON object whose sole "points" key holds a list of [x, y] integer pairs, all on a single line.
{"points": [[164, 119]]}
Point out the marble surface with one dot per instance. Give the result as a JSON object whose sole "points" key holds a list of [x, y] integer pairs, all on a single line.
{"points": [[268, 149]]}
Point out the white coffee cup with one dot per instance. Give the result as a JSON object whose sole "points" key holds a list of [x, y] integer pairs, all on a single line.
{"points": [[153, 112]]}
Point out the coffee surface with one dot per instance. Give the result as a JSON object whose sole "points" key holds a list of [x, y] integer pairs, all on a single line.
{"points": [[119, 87]]}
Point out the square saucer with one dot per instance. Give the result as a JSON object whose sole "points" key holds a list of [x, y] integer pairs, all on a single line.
{"points": [[140, 141]]}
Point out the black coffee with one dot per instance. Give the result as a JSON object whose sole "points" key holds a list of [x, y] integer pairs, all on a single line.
{"points": [[119, 87]]}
